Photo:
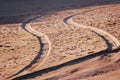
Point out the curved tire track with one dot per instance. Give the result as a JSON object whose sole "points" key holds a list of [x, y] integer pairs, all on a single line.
{"points": [[39, 34], [69, 21], [27, 27]]}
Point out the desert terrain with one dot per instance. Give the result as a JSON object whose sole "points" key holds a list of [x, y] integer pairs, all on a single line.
{"points": [[60, 40]]}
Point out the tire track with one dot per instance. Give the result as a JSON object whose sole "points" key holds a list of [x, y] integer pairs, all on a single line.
{"points": [[72, 62], [27, 27], [69, 21]]}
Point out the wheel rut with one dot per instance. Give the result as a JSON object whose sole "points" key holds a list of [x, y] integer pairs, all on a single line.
{"points": [[27, 27], [101, 32], [107, 37]]}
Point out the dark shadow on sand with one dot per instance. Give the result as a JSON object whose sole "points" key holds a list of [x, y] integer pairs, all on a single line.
{"points": [[20, 10]]}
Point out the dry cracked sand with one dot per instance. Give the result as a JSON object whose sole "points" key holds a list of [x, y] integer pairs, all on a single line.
{"points": [[76, 44]]}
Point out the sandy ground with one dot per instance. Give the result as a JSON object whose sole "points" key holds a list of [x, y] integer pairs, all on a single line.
{"points": [[16, 49], [100, 65], [53, 48]]}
